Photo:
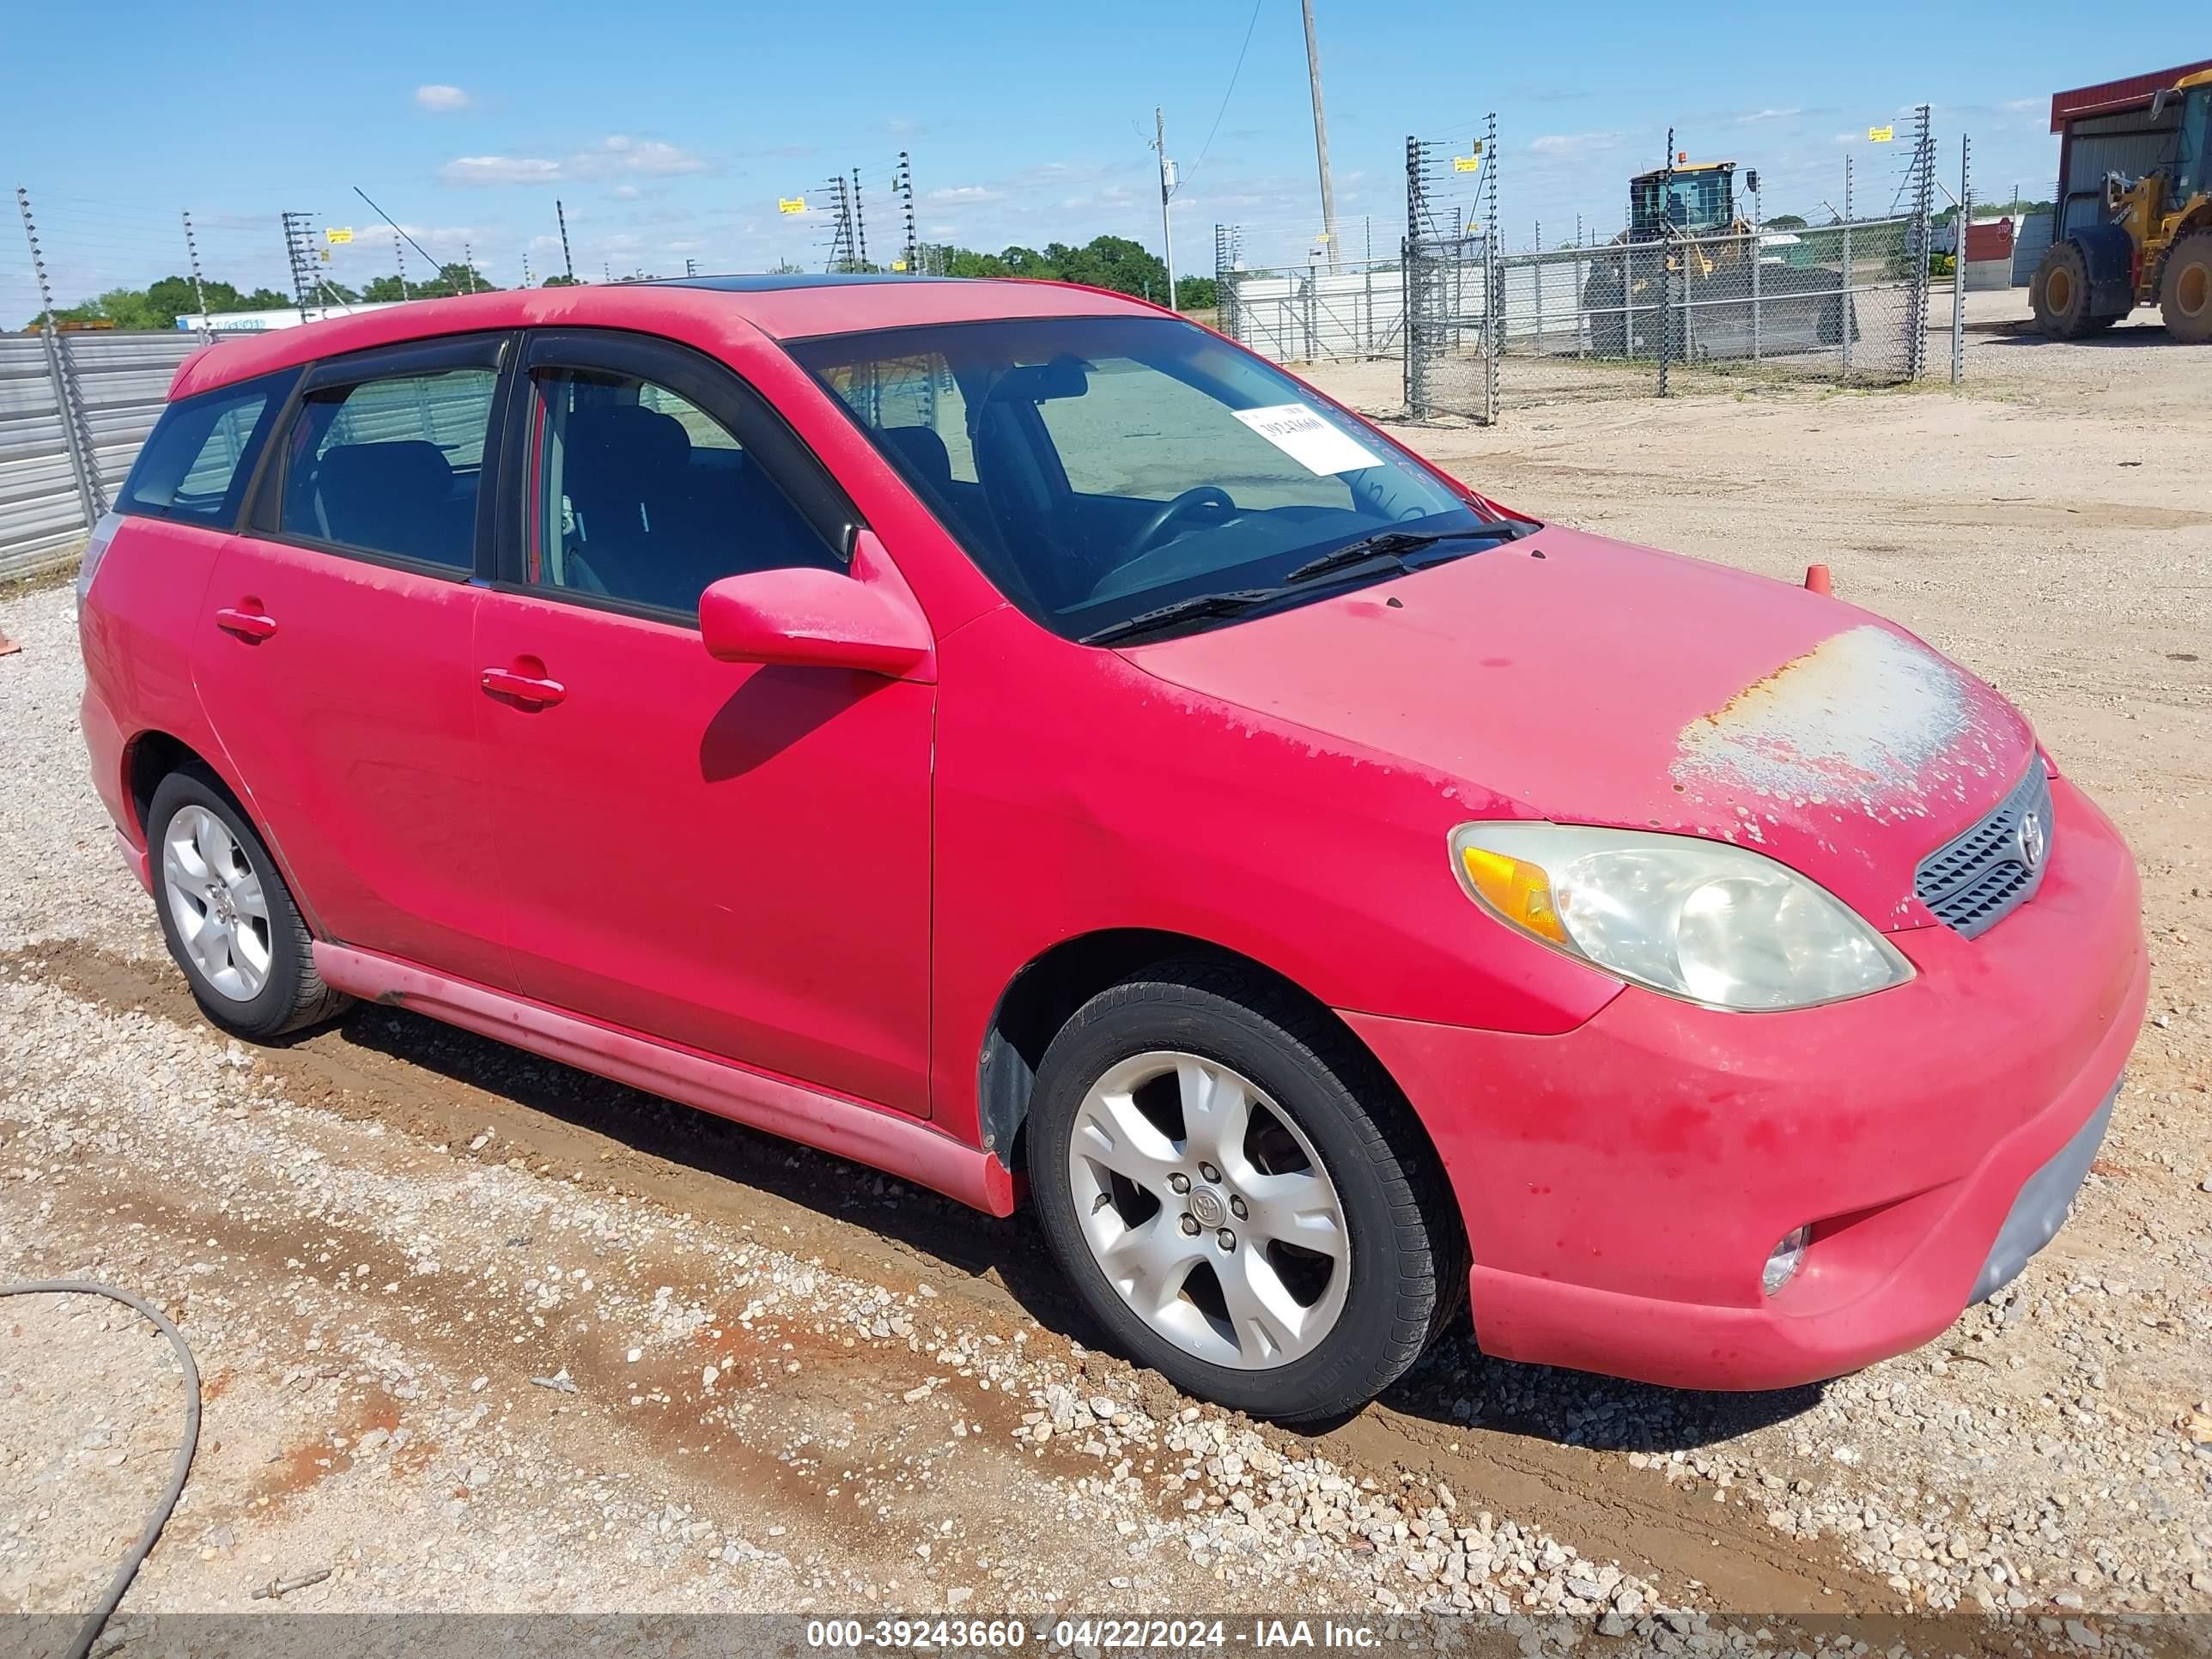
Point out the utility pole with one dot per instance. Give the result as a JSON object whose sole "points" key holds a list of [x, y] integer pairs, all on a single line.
{"points": [[1167, 189], [469, 265], [1320, 139], [400, 258], [859, 221], [567, 264]]}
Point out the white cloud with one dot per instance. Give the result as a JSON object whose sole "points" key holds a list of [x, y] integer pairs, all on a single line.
{"points": [[615, 156], [645, 157], [501, 170], [965, 193], [1575, 144], [1754, 116], [440, 98]]}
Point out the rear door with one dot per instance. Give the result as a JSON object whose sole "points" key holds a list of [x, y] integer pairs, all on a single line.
{"points": [[333, 650], [731, 857]]}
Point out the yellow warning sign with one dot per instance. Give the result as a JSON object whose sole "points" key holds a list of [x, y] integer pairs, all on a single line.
{"points": [[791, 204], [1468, 163], [898, 264], [337, 235], [1881, 135]]}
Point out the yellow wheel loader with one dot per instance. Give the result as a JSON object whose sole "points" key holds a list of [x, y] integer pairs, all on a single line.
{"points": [[2155, 246], [1685, 265]]}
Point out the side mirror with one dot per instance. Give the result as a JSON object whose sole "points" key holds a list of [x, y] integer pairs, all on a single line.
{"points": [[868, 621]]}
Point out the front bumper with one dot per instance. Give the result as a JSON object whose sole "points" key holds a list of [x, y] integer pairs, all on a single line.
{"points": [[1623, 1184]]}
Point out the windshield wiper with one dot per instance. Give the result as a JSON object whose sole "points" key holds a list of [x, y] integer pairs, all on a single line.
{"points": [[1395, 544], [1197, 605]]}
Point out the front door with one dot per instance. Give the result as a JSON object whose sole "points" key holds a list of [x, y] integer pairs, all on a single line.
{"points": [[332, 653], [734, 858]]}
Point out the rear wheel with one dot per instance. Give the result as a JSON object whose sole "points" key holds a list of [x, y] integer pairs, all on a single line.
{"points": [[2185, 290], [1238, 1193], [2060, 294], [227, 916]]}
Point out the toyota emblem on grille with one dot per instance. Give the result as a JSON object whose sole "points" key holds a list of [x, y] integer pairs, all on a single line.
{"points": [[2032, 842]]}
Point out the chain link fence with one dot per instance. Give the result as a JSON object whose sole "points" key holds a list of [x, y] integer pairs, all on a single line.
{"points": [[1845, 304], [1316, 313], [1660, 309]]}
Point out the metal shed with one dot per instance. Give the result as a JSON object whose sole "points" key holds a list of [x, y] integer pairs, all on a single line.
{"points": [[2108, 128]]}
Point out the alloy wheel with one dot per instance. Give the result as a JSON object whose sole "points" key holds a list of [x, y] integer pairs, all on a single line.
{"points": [[216, 899], [1208, 1211]]}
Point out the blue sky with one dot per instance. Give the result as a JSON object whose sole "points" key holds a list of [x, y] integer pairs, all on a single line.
{"points": [[671, 130]]}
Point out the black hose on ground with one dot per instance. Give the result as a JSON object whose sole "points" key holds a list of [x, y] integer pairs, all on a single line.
{"points": [[96, 1621]]}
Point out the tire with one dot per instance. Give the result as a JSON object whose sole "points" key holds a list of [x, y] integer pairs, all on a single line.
{"points": [[2059, 295], [248, 956], [2184, 290], [1330, 1150]]}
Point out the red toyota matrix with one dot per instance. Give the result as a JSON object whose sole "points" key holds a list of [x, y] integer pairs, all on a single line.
{"points": [[1006, 734]]}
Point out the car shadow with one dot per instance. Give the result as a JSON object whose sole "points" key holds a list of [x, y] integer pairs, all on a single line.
{"points": [[1454, 1384]]}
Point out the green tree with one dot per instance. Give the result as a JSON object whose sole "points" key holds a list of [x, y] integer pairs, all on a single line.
{"points": [[1785, 221], [562, 282]]}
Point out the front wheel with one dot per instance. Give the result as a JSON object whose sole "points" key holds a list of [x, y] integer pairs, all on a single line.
{"points": [[2059, 295], [1239, 1194], [2184, 290]]}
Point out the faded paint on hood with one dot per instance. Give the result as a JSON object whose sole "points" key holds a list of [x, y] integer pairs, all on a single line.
{"points": [[1598, 682]]}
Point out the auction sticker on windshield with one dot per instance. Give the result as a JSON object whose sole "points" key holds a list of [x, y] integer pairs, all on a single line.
{"points": [[1307, 439]]}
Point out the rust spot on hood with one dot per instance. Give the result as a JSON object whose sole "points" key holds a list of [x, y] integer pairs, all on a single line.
{"points": [[1867, 717]]}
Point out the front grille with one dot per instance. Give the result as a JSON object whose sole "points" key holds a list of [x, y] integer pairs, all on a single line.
{"points": [[1974, 882]]}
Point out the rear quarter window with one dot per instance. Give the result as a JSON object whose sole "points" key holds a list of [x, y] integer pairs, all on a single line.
{"points": [[194, 465]]}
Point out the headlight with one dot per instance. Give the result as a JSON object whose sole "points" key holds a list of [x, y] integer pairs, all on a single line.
{"points": [[1702, 920]]}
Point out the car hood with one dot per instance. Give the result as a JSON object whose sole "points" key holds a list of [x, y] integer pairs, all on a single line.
{"points": [[1593, 682]]}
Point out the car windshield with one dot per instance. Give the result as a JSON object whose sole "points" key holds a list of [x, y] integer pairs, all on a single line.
{"points": [[1102, 469]]}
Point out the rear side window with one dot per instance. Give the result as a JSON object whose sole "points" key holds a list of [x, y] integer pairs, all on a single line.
{"points": [[391, 465], [194, 466]]}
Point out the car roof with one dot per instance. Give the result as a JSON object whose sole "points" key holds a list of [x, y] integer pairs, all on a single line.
{"points": [[784, 307]]}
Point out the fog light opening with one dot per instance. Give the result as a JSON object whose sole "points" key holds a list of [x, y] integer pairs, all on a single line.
{"points": [[1785, 1259]]}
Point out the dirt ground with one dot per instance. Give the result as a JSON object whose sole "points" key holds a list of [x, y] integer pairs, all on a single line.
{"points": [[483, 1333]]}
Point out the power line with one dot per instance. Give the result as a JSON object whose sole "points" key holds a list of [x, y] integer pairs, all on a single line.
{"points": [[1230, 93], [435, 266]]}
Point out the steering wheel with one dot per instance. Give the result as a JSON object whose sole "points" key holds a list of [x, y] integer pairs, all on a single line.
{"points": [[1204, 496]]}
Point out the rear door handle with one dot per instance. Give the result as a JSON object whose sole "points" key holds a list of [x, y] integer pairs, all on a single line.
{"points": [[537, 693], [246, 624]]}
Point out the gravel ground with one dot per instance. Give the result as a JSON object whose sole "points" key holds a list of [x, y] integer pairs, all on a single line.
{"points": [[483, 1333]]}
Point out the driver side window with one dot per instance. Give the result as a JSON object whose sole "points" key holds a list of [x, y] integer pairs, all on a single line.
{"points": [[640, 495]]}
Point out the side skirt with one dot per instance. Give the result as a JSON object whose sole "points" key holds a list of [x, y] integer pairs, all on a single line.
{"points": [[904, 1146]]}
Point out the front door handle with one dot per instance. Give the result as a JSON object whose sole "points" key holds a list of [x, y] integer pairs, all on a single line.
{"points": [[523, 688], [250, 625]]}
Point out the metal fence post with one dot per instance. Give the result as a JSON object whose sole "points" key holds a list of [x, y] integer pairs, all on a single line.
{"points": [[1917, 241], [1847, 330], [1757, 242], [1417, 376], [1666, 246], [1493, 302], [1958, 261], [199, 286], [77, 436]]}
